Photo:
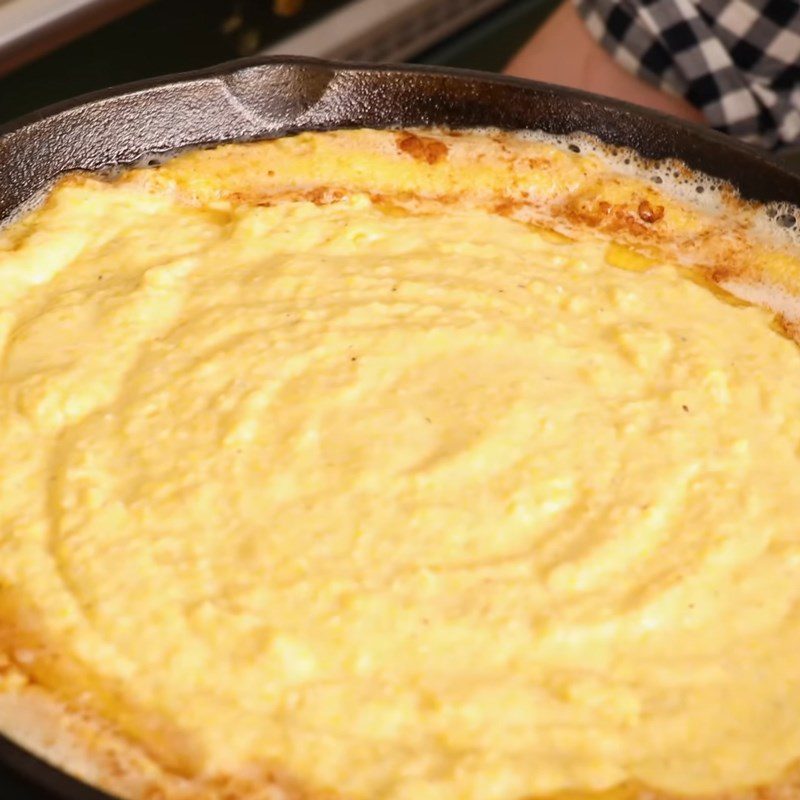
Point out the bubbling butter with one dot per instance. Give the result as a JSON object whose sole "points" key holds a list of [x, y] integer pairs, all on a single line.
{"points": [[418, 507]]}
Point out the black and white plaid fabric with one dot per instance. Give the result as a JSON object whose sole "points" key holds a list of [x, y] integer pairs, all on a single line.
{"points": [[738, 61]]}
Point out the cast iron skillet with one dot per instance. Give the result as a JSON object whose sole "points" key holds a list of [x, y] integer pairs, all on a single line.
{"points": [[266, 98]]}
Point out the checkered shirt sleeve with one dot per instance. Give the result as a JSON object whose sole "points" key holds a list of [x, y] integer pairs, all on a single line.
{"points": [[738, 61]]}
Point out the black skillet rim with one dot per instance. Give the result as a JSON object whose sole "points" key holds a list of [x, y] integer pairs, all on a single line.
{"points": [[269, 96]]}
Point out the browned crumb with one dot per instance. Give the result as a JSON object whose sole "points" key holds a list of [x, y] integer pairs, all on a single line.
{"points": [[422, 148], [650, 214]]}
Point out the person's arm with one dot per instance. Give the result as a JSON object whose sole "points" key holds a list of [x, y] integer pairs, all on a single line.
{"points": [[562, 51]]}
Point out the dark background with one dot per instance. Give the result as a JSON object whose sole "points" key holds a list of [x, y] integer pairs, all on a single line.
{"points": [[178, 35]]}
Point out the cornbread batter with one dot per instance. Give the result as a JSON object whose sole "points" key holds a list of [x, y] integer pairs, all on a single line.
{"points": [[409, 506]]}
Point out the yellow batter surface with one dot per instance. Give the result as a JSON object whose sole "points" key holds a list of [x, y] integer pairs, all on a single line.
{"points": [[414, 507]]}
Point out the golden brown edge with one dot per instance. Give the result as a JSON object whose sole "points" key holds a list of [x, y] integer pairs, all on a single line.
{"points": [[633, 212]]}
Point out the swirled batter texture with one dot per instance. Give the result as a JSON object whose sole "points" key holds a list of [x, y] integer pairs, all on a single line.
{"points": [[411, 506]]}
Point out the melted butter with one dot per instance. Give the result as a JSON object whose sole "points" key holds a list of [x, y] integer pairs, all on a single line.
{"points": [[417, 507], [618, 255], [626, 258]]}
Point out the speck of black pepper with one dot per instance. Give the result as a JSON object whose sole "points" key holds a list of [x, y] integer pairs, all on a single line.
{"points": [[354, 358], [394, 288], [685, 408], [428, 419]]}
